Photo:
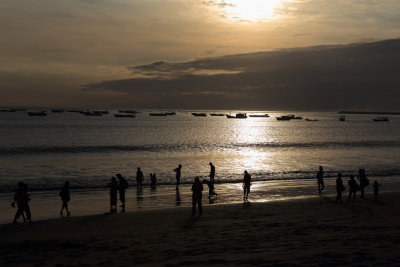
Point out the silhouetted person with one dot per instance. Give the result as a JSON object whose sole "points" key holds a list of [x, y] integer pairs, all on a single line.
{"points": [[210, 185], [113, 194], [363, 181], [352, 188], [18, 198], [25, 203], [339, 188], [320, 179], [376, 190], [212, 172], [246, 185], [178, 175], [65, 197], [197, 195], [153, 180], [139, 177], [122, 186]]}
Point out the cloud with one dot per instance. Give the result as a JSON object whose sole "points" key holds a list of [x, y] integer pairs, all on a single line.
{"points": [[314, 78]]}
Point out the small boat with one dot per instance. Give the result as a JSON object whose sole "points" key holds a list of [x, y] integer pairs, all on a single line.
{"points": [[158, 114], [311, 119], [101, 111], [381, 119], [91, 113], [284, 118], [57, 110], [170, 113], [259, 116], [127, 111], [217, 114], [293, 117], [37, 113], [199, 114], [124, 115], [237, 116], [342, 118]]}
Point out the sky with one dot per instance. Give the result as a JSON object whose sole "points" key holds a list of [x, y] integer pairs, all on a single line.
{"points": [[148, 53]]}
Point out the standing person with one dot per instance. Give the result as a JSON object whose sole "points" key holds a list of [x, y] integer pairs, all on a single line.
{"points": [[376, 190], [212, 172], [113, 194], [363, 181], [320, 179], [246, 185], [122, 186], [65, 197], [197, 195], [18, 198], [352, 188], [339, 188], [178, 175], [139, 177], [25, 202]]}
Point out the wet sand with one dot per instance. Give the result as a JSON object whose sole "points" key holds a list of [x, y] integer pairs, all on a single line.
{"points": [[313, 231]]}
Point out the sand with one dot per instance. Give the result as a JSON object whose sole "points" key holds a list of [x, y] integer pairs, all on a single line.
{"points": [[313, 231]]}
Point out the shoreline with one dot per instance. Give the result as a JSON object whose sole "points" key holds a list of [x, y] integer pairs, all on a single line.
{"points": [[312, 231], [46, 204]]}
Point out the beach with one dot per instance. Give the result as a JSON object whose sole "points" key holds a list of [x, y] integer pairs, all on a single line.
{"points": [[310, 231]]}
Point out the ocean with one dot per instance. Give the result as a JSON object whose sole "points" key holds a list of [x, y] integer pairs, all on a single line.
{"points": [[88, 150]]}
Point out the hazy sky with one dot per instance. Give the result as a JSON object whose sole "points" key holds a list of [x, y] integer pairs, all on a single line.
{"points": [[52, 51]]}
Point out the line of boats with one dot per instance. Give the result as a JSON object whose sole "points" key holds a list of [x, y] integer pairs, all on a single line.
{"points": [[129, 113]]}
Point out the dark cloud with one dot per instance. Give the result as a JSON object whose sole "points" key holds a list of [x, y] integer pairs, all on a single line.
{"points": [[314, 78]]}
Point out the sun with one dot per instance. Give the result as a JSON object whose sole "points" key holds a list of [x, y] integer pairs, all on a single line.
{"points": [[249, 10]]}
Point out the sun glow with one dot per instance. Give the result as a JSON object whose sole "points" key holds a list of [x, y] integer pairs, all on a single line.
{"points": [[250, 10]]}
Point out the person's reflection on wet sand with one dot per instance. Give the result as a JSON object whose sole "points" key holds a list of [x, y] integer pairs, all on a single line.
{"points": [[178, 197], [139, 194]]}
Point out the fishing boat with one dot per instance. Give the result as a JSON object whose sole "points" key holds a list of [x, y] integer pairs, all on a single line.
{"points": [[381, 119], [124, 115], [199, 114], [259, 115], [237, 116], [284, 118], [217, 114], [311, 119], [37, 113], [158, 114], [170, 113], [57, 110]]}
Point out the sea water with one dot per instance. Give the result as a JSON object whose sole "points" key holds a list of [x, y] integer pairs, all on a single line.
{"points": [[88, 150]]}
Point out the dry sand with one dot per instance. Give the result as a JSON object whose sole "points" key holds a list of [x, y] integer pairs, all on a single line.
{"points": [[312, 231]]}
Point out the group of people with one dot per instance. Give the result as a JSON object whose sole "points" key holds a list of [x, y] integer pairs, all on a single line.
{"points": [[21, 197], [352, 183]]}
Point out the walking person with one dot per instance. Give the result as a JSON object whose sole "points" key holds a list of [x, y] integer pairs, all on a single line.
{"points": [[25, 202], [197, 195], [178, 176], [352, 189], [246, 185], [139, 177], [320, 179], [212, 172], [65, 197], [122, 186], [339, 188], [363, 181], [18, 198], [113, 185]]}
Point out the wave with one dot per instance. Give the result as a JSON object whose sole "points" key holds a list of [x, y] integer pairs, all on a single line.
{"points": [[188, 147], [96, 183]]}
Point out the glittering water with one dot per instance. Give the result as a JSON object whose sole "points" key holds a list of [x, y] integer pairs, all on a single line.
{"points": [[87, 151]]}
